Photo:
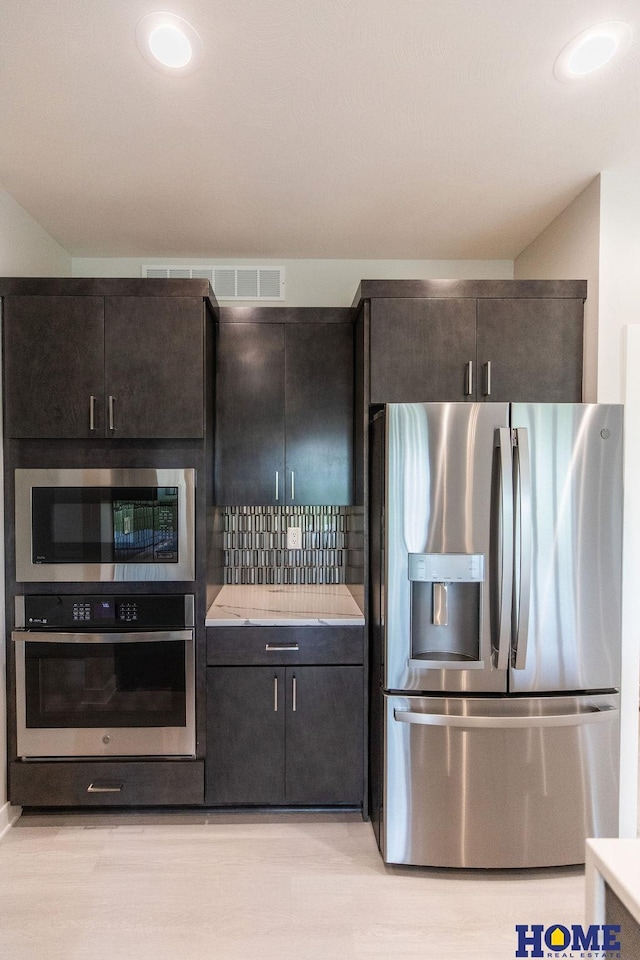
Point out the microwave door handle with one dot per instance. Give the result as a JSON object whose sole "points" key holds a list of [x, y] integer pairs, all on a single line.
{"points": [[505, 519], [525, 548]]}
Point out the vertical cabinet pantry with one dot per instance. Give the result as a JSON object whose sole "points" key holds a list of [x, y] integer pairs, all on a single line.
{"points": [[106, 377], [284, 408], [285, 715]]}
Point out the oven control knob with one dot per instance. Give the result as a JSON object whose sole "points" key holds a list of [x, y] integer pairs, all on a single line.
{"points": [[106, 738]]}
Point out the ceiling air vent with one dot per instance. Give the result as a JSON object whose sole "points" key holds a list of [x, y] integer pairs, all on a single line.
{"points": [[229, 283]]}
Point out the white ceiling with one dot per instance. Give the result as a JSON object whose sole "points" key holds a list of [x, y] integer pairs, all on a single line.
{"points": [[315, 128]]}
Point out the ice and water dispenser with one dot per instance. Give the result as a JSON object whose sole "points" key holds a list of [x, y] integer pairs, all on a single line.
{"points": [[446, 609]]}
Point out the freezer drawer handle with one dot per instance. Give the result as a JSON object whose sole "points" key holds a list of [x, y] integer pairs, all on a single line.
{"points": [[599, 715]]}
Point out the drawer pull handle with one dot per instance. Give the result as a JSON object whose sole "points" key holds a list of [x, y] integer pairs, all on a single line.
{"points": [[281, 646], [105, 787]]}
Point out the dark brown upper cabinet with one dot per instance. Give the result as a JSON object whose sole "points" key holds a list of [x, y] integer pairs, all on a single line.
{"points": [[94, 366], [522, 344], [530, 351], [319, 413], [284, 413], [422, 350], [54, 364], [154, 366]]}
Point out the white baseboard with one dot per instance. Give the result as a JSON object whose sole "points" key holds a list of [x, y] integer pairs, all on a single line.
{"points": [[8, 816]]}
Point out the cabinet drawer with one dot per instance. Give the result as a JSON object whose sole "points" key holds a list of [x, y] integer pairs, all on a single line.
{"points": [[98, 784], [236, 646]]}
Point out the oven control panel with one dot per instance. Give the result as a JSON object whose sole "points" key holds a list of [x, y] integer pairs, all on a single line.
{"points": [[105, 608], [101, 612]]}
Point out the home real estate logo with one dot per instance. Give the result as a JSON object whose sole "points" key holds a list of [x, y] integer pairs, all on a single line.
{"points": [[597, 942]]}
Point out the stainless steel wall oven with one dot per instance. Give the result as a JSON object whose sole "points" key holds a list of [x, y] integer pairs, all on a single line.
{"points": [[98, 525], [105, 676]]}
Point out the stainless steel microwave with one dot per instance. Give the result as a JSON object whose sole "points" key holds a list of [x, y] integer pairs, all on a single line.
{"points": [[95, 525]]}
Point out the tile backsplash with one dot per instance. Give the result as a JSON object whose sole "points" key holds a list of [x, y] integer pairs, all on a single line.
{"points": [[255, 544]]}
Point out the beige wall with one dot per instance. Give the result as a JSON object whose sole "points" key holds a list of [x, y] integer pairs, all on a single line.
{"points": [[569, 249], [619, 275], [619, 381], [597, 238], [317, 283], [26, 250], [630, 593]]}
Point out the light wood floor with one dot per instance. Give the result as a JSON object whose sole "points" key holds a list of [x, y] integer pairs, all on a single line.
{"points": [[259, 887]]}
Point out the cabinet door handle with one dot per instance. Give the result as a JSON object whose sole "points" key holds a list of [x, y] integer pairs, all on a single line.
{"points": [[469, 385], [92, 412], [293, 485], [487, 378], [277, 492], [281, 646], [275, 694], [294, 694], [111, 417]]}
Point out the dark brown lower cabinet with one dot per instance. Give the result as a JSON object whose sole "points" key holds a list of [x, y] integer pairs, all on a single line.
{"points": [[629, 931], [285, 735], [323, 760], [111, 783], [245, 735]]}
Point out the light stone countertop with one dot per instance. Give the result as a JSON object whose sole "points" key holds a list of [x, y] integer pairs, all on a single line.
{"points": [[284, 605], [615, 862]]}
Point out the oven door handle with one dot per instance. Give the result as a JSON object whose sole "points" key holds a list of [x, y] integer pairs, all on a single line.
{"points": [[150, 636]]}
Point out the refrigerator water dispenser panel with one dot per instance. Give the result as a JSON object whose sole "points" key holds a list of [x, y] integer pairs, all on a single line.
{"points": [[446, 609], [447, 567]]}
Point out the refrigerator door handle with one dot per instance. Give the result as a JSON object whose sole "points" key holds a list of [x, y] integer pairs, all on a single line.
{"points": [[522, 599], [506, 546], [593, 715]]}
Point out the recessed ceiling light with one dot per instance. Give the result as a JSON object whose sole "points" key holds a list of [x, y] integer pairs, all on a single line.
{"points": [[592, 50], [169, 43]]}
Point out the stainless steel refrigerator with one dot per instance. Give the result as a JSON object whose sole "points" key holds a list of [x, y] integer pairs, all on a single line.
{"points": [[496, 546]]}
